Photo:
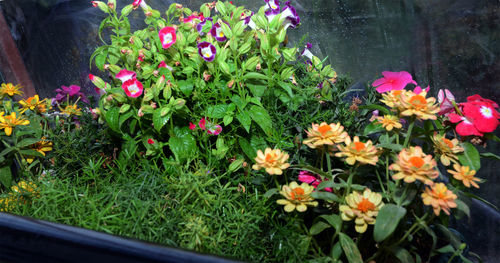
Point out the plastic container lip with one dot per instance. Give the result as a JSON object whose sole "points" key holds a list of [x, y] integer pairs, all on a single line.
{"points": [[24, 239]]}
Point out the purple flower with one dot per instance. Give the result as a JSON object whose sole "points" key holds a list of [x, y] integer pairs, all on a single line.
{"points": [[320, 85], [306, 52], [200, 25], [207, 51], [72, 93], [248, 20], [217, 32], [292, 18], [272, 9]]}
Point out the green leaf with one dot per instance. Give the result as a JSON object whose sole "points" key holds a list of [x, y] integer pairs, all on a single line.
{"points": [[185, 86], [257, 90], [387, 220], [235, 165], [350, 249], [461, 206], [325, 196], [216, 111], [100, 60], [382, 109], [124, 117], [27, 141], [112, 117], [182, 144], [124, 108], [318, 228], [470, 157], [6, 176], [245, 119], [336, 251], [271, 192], [446, 249], [255, 75], [158, 120], [247, 148], [262, 118], [373, 127], [490, 155], [227, 120], [29, 152], [403, 255], [391, 146], [333, 220]]}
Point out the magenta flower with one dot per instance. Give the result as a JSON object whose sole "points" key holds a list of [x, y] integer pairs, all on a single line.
{"points": [[151, 141], [393, 81], [418, 89], [72, 93], [140, 3], [164, 65], [202, 123], [217, 32], [207, 51], [446, 99], [214, 129], [125, 75], [167, 36], [192, 18], [133, 88], [192, 126], [312, 179]]}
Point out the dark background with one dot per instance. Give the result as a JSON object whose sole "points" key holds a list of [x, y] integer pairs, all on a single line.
{"points": [[452, 44]]}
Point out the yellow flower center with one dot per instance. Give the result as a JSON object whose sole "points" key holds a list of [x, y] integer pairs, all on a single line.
{"points": [[297, 193], [359, 146], [448, 142], [418, 101], [324, 129], [365, 205], [416, 161]]}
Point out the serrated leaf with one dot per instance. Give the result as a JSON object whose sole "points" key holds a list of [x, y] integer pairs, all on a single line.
{"points": [[247, 148], [244, 118], [216, 111], [158, 120], [112, 117], [387, 220], [262, 118], [350, 249], [125, 117], [227, 120], [182, 144]]}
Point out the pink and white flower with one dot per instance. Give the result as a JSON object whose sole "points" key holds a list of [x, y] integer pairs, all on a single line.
{"points": [[133, 88], [125, 75], [167, 36]]}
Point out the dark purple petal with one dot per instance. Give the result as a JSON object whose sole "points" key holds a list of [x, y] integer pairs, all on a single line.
{"points": [[207, 51]]}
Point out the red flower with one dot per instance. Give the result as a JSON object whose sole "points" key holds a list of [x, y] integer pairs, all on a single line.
{"points": [[202, 123], [465, 126], [192, 126], [393, 81], [479, 116], [151, 141]]}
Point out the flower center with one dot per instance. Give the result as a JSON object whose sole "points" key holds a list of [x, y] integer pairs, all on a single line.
{"points": [[219, 32], [206, 52], [418, 101], [365, 205], [359, 146], [416, 161], [448, 143], [486, 112], [271, 158], [324, 129], [167, 39], [133, 88], [297, 193], [273, 4], [396, 92]]}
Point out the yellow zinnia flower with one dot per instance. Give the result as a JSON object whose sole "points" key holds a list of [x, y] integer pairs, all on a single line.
{"points": [[412, 164], [464, 174], [446, 149], [10, 121], [392, 98], [325, 134], [356, 151], [297, 197], [9, 89], [439, 197], [34, 104], [420, 106], [362, 207], [41, 146], [72, 110], [274, 161], [389, 122]]}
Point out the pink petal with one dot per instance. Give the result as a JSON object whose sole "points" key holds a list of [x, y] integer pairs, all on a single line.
{"points": [[125, 75]]}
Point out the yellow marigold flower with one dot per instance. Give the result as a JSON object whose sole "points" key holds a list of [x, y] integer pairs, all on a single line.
{"points": [[10, 121], [9, 89], [34, 104], [72, 110], [297, 197], [362, 207], [41, 146], [446, 149], [392, 98], [356, 151], [24, 187], [7, 203], [325, 134], [413, 164], [389, 122], [439, 197], [274, 161], [464, 174], [418, 105]]}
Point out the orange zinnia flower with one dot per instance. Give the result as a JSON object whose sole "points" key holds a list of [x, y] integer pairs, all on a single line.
{"points": [[420, 106], [325, 134], [362, 207], [439, 197], [297, 197], [412, 164], [465, 174], [356, 151], [274, 161], [389, 122], [446, 149]]}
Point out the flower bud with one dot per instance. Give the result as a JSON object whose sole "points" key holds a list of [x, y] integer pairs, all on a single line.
{"points": [[112, 4], [97, 81], [101, 5]]}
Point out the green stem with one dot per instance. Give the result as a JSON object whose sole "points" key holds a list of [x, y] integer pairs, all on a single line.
{"points": [[328, 162], [408, 134]]}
